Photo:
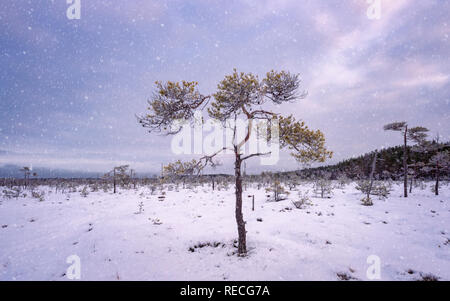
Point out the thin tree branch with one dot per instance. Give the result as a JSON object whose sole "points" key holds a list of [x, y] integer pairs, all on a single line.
{"points": [[254, 155]]}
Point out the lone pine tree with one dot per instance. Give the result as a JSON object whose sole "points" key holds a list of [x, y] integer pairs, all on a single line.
{"points": [[239, 95], [26, 175], [416, 134], [118, 173]]}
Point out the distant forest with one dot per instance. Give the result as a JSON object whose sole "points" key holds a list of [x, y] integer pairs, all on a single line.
{"points": [[389, 165]]}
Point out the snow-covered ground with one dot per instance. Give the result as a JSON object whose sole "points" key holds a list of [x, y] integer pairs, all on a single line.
{"points": [[330, 237]]}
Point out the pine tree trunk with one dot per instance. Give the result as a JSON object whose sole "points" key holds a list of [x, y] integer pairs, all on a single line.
{"points": [[436, 187], [410, 185], [242, 245], [114, 180], [372, 172], [405, 166]]}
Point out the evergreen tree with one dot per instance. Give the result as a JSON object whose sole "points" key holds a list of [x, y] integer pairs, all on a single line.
{"points": [[238, 95]]}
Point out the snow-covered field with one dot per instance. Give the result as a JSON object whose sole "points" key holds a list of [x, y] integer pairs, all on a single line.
{"points": [[333, 236]]}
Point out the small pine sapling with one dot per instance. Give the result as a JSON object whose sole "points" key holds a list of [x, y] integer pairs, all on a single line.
{"points": [[278, 192], [84, 192], [323, 187]]}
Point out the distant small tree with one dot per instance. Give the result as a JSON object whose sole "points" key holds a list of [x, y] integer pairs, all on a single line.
{"points": [[322, 185], [238, 95], [84, 192], [439, 163], [372, 172], [367, 201], [26, 175], [342, 181], [132, 177], [292, 183], [422, 146], [118, 174], [417, 134], [213, 181], [279, 193], [413, 172]]}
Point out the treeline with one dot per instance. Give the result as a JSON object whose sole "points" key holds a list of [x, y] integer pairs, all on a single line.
{"points": [[389, 164]]}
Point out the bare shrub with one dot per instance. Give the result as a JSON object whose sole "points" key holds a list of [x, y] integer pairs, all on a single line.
{"points": [[12, 193], [40, 195], [303, 201]]}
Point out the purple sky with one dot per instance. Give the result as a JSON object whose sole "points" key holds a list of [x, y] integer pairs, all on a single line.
{"points": [[70, 89]]}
